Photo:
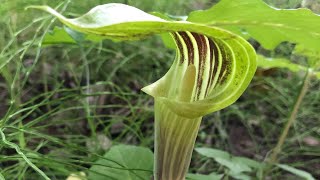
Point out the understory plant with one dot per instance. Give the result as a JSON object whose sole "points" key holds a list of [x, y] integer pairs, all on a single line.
{"points": [[211, 70], [212, 67]]}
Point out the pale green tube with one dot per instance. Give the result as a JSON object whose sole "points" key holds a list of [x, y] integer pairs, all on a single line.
{"points": [[174, 141]]}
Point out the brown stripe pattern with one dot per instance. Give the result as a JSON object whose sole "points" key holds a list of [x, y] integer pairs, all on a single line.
{"points": [[211, 58]]}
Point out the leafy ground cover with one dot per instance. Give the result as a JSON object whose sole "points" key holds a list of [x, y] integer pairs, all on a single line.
{"points": [[64, 106]]}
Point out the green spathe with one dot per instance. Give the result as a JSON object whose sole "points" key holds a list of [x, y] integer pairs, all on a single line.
{"points": [[127, 26], [211, 70]]}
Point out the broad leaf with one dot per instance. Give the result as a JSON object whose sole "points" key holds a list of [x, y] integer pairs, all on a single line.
{"points": [[123, 162], [239, 176], [312, 55], [267, 63], [237, 165], [269, 26], [212, 176], [296, 171], [58, 36], [212, 66]]}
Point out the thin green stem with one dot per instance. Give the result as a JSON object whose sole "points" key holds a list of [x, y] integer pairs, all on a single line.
{"points": [[22, 140], [16, 147], [86, 102], [292, 117], [1, 176]]}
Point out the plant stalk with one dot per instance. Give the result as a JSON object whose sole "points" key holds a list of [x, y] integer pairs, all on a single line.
{"points": [[303, 90], [174, 141]]}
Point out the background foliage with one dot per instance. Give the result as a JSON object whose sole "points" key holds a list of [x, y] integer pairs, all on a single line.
{"points": [[65, 105]]}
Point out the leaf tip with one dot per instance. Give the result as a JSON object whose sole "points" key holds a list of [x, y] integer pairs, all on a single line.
{"points": [[36, 7]]}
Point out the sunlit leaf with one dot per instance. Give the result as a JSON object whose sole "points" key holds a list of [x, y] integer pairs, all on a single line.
{"points": [[312, 55], [58, 36], [269, 26], [268, 63]]}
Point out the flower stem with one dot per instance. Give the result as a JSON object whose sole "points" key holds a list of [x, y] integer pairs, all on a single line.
{"points": [[174, 141], [283, 136]]}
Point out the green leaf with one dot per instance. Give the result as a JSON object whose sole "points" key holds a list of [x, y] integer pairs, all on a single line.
{"points": [[123, 162], [212, 176], [213, 153], [239, 176], [67, 36], [212, 67], [237, 165], [269, 26], [267, 63], [58, 36], [312, 55], [297, 172], [249, 162]]}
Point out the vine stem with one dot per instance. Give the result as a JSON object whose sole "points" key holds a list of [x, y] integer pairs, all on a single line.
{"points": [[16, 147], [302, 92]]}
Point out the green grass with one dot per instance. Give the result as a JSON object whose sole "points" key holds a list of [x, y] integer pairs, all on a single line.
{"points": [[62, 106]]}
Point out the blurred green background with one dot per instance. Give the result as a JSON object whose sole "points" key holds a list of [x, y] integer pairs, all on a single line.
{"points": [[64, 105]]}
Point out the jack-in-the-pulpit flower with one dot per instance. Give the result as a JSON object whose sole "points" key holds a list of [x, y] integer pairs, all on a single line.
{"points": [[212, 68]]}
